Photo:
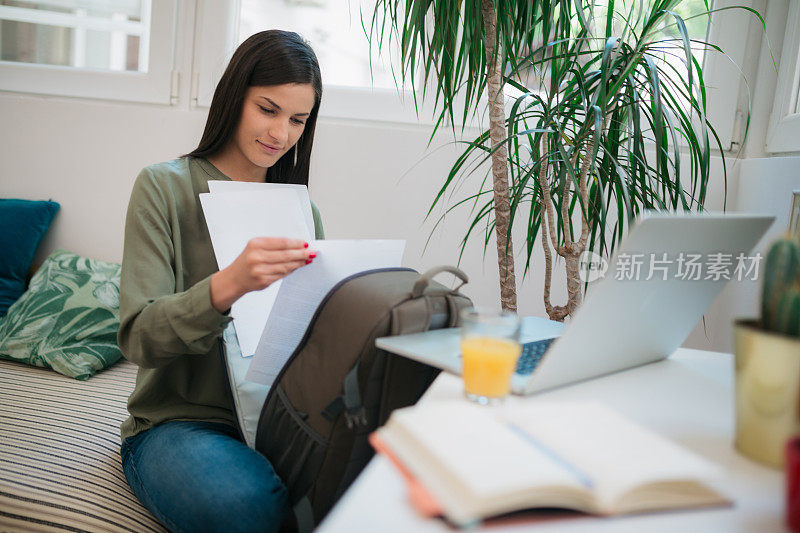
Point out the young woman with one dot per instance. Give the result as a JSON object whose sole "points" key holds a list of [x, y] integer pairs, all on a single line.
{"points": [[180, 450]]}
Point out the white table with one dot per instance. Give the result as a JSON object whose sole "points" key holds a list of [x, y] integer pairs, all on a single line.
{"points": [[687, 398]]}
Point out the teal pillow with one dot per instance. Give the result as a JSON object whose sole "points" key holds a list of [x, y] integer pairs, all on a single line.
{"points": [[23, 223], [68, 318]]}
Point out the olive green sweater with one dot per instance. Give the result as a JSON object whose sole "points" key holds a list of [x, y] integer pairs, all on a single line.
{"points": [[167, 324]]}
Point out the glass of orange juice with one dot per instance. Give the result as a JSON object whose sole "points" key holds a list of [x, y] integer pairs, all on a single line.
{"points": [[490, 349]]}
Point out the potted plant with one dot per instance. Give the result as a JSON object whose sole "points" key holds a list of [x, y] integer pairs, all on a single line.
{"points": [[597, 135], [767, 355]]}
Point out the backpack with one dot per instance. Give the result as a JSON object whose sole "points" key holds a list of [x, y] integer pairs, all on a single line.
{"points": [[337, 387]]}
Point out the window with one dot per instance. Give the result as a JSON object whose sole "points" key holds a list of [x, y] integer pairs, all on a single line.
{"points": [[112, 49], [98, 35], [626, 13], [334, 30], [724, 73], [723, 76], [784, 133], [333, 27]]}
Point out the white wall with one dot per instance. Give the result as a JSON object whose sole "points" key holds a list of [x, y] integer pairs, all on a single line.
{"points": [[765, 181]]}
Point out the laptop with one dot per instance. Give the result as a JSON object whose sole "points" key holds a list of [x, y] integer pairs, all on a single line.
{"points": [[649, 300]]}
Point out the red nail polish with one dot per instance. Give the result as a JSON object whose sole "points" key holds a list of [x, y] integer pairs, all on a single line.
{"points": [[305, 245], [308, 261], [312, 255]]}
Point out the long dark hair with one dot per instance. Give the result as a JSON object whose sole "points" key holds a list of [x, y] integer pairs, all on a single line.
{"points": [[271, 57]]}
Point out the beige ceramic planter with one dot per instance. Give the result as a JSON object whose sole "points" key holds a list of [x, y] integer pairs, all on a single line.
{"points": [[767, 392]]}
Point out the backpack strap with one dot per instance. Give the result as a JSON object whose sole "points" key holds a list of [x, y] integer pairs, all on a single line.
{"points": [[304, 515], [425, 280], [350, 400], [455, 304], [436, 309]]}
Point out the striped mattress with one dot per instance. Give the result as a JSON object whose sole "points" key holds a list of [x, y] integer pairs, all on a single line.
{"points": [[59, 452]]}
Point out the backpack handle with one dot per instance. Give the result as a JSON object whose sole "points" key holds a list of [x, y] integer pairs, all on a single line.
{"points": [[425, 280]]}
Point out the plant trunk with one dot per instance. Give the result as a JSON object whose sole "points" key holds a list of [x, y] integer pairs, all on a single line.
{"points": [[572, 267], [502, 205], [570, 251]]}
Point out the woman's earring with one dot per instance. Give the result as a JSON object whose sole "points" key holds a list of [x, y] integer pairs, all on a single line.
{"points": [[295, 155]]}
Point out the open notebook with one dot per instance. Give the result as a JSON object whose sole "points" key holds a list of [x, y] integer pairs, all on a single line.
{"points": [[469, 462]]}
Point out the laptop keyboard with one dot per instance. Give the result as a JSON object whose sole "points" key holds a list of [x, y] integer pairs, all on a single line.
{"points": [[532, 353]]}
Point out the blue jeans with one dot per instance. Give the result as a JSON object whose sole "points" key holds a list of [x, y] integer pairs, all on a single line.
{"points": [[198, 476]]}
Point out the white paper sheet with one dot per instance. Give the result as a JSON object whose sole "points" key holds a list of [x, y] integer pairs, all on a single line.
{"points": [[233, 219], [223, 187], [302, 291]]}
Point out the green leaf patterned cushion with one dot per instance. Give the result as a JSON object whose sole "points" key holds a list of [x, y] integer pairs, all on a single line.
{"points": [[68, 318]]}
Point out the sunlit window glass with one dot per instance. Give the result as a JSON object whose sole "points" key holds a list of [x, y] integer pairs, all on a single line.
{"points": [[628, 21], [332, 27]]}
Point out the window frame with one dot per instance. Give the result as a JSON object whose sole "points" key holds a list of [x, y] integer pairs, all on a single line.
{"points": [[216, 27], [784, 130], [724, 74], [154, 86]]}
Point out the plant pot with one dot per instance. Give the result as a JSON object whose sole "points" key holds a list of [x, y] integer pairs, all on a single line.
{"points": [[767, 392]]}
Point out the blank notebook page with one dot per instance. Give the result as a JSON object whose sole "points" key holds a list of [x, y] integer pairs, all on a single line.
{"points": [[613, 451], [481, 452]]}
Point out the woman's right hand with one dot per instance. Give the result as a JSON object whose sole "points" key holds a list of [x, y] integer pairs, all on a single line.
{"points": [[263, 261]]}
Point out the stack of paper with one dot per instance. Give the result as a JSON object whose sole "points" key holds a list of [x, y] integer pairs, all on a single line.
{"points": [[270, 323]]}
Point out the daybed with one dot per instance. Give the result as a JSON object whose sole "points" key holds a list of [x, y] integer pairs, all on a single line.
{"points": [[59, 432], [59, 452]]}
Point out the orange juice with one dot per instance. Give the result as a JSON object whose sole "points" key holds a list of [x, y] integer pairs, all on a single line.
{"points": [[488, 365]]}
